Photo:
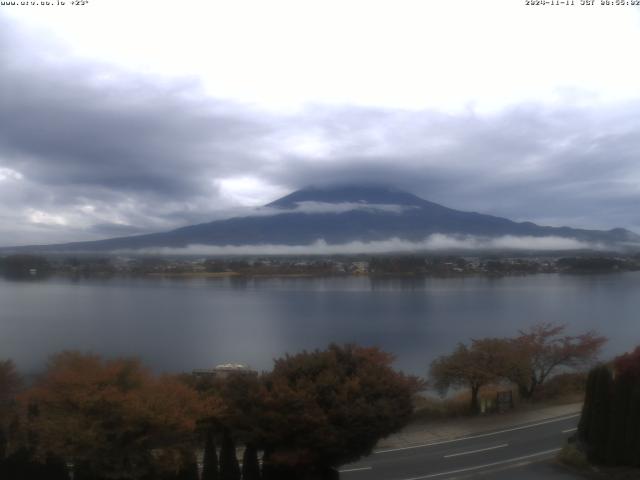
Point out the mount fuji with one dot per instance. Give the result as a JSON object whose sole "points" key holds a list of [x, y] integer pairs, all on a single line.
{"points": [[352, 214]]}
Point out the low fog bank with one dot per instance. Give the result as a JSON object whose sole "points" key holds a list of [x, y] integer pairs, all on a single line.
{"points": [[311, 207], [435, 242]]}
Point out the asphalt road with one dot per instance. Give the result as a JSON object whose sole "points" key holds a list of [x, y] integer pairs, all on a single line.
{"points": [[514, 453]]}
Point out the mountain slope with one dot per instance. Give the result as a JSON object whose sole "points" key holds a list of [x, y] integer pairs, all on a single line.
{"points": [[340, 215]]}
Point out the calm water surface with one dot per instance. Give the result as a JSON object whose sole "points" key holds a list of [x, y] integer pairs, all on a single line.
{"points": [[178, 325]]}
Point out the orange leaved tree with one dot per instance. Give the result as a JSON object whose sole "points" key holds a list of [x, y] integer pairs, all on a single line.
{"points": [[472, 366], [111, 418]]}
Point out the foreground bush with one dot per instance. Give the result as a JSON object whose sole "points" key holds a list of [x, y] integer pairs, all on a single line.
{"points": [[327, 408]]}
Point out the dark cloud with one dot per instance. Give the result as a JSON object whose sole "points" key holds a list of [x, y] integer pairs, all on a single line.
{"points": [[89, 151], [556, 164], [95, 144]]}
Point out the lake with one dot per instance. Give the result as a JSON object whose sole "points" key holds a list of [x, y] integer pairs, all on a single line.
{"points": [[178, 325]]}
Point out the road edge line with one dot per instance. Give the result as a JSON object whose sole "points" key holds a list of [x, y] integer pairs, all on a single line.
{"points": [[470, 452], [481, 435], [487, 465]]}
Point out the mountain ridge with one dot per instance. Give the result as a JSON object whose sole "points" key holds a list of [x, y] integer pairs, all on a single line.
{"points": [[340, 215]]}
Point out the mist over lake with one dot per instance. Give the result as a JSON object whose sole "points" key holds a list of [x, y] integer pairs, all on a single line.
{"points": [[178, 325]]}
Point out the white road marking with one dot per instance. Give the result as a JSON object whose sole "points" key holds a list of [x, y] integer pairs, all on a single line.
{"points": [[355, 469], [476, 451], [569, 430], [482, 435], [487, 465]]}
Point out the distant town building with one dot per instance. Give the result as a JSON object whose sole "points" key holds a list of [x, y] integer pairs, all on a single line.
{"points": [[223, 370], [360, 267]]}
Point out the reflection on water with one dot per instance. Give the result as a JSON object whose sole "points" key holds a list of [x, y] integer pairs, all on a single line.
{"points": [[183, 324]]}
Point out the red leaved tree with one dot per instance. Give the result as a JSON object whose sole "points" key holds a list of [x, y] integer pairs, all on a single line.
{"points": [[322, 409], [628, 364]]}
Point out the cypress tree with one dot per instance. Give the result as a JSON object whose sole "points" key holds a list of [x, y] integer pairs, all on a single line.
{"points": [[598, 428], [13, 467], [189, 468], [210, 459], [268, 471], [632, 439], [81, 471], [55, 468], [21, 465], [618, 420], [229, 468], [250, 464], [587, 408], [3, 444]]}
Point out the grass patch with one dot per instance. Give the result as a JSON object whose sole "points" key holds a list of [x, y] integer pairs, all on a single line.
{"points": [[575, 460], [572, 457], [562, 388], [428, 408]]}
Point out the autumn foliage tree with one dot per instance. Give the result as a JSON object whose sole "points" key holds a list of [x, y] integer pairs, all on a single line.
{"points": [[527, 360], [9, 385], [628, 365], [543, 349], [470, 366], [112, 418], [326, 408], [17, 461]]}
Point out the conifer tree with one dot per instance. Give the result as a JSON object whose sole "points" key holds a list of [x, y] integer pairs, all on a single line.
{"points": [[229, 468], [55, 468], [618, 419], [599, 419], [3, 445], [190, 469], [250, 464], [210, 460], [627, 369], [587, 408], [632, 441], [269, 471]]}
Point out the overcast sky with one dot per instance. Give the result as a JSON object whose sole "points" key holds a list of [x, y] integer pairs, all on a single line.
{"points": [[123, 117]]}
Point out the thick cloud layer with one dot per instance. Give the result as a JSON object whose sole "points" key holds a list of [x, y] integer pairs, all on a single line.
{"points": [[88, 151]]}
